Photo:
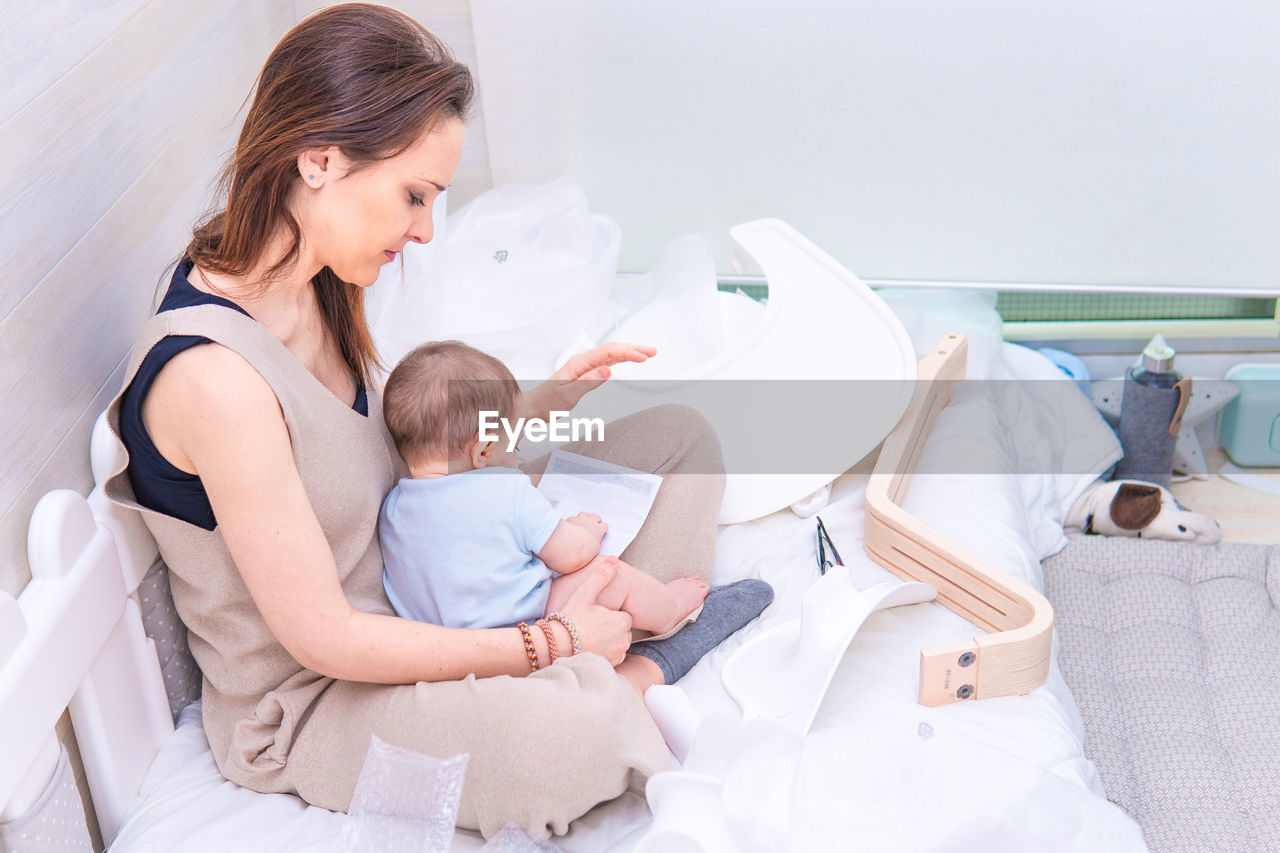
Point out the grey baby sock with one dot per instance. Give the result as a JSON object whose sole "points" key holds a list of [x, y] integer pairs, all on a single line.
{"points": [[724, 610]]}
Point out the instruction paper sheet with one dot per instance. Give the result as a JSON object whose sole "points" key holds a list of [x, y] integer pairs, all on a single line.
{"points": [[621, 496]]}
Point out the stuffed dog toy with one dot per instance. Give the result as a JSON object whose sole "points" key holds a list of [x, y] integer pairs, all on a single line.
{"points": [[1135, 508]]}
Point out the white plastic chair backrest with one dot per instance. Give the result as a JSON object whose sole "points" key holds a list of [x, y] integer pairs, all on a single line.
{"points": [[74, 639]]}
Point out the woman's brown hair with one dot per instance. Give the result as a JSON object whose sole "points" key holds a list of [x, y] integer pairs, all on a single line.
{"points": [[365, 78]]}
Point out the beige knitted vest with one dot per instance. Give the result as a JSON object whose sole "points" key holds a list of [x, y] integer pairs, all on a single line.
{"points": [[346, 464]]}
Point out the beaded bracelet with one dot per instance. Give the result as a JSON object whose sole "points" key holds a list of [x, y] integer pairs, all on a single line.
{"points": [[553, 652], [568, 626], [529, 650]]}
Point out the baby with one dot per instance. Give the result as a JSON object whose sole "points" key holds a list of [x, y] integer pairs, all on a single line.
{"points": [[467, 541]]}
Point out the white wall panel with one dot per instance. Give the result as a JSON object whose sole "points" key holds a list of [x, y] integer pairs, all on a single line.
{"points": [[84, 141], [422, 10], [72, 330], [994, 140], [105, 171], [65, 467], [41, 41]]}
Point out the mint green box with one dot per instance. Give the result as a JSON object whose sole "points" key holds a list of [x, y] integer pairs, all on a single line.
{"points": [[1250, 427]]}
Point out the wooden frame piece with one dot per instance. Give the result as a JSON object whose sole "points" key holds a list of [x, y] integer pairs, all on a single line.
{"points": [[1013, 658]]}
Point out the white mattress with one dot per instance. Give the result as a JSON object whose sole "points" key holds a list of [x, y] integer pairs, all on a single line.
{"points": [[877, 770]]}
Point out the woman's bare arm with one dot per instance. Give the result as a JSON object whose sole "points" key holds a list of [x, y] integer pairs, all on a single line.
{"points": [[220, 416]]}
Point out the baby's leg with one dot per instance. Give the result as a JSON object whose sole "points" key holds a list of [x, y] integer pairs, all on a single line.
{"points": [[654, 606]]}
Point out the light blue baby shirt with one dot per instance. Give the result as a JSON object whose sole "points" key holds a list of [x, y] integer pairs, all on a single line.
{"points": [[459, 550]]}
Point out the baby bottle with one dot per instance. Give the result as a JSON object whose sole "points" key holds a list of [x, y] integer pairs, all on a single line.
{"points": [[1151, 408]]}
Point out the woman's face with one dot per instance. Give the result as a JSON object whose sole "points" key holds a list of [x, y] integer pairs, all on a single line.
{"points": [[354, 222]]}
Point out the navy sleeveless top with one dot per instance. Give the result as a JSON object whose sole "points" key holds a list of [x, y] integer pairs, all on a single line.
{"points": [[157, 483]]}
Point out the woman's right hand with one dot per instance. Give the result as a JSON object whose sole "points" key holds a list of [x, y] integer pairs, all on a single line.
{"points": [[600, 630]]}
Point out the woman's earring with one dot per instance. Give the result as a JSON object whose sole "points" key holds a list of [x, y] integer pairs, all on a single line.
{"points": [[311, 177]]}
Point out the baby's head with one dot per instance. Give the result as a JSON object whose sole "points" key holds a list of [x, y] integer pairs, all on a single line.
{"points": [[432, 405]]}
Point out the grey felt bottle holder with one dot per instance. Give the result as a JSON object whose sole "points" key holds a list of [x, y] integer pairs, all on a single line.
{"points": [[1150, 420]]}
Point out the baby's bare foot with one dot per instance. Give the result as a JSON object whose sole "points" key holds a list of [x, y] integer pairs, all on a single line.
{"points": [[688, 594]]}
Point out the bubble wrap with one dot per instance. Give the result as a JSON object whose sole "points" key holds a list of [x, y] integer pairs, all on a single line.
{"points": [[404, 801]]}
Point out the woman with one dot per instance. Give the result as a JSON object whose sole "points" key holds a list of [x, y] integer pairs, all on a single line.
{"points": [[258, 458]]}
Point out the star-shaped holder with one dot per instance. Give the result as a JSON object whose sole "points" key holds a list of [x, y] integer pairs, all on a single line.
{"points": [[1208, 396]]}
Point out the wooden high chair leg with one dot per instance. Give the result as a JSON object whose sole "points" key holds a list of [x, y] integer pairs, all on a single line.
{"points": [[1013, 657]]}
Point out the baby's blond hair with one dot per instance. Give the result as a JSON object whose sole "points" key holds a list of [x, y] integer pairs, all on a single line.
{"points": [[434, 397]]}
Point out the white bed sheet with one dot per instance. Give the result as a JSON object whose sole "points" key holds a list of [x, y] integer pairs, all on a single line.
{"points": [[877, 770]]}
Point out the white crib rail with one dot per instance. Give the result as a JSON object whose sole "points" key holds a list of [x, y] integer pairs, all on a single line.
{"points": [[74, 639]]}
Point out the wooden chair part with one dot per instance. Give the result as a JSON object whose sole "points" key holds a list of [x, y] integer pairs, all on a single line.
{"points": [[1013, 657]]}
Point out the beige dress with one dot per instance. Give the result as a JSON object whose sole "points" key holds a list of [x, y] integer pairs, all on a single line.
{"points": [[543, 749]]}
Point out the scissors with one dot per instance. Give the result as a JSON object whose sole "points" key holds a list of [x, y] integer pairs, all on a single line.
{"points": [[825, 543]]}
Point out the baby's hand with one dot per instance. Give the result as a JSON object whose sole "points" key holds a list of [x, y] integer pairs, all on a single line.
{"points": [[591, 523]]}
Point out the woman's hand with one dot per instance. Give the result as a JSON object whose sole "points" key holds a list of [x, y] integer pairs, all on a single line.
{"points": [[601, 630], [580, 374]]}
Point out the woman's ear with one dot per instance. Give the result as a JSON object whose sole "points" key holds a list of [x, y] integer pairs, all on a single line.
{"points": [[317, 165]]}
